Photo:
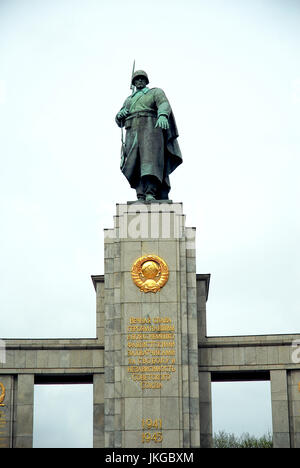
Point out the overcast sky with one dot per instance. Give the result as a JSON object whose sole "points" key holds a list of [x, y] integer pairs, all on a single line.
{"points": [[231, 71]]}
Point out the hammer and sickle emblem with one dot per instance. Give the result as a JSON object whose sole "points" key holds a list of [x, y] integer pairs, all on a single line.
{"points": [[2, 394], [150, 273]]}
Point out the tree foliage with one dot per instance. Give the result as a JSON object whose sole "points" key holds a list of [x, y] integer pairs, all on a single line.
{"points": [[223, 439]]}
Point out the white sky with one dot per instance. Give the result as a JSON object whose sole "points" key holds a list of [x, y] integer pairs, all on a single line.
{"points": [[231, 70], [63, 416]]}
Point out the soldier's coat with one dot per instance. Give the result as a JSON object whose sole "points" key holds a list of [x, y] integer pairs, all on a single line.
{"points": [[149, 150]]}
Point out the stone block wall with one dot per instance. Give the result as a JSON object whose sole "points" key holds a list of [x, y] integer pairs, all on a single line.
{"points": [[162, 412]]}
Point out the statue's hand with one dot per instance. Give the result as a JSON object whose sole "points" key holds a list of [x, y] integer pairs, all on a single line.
{"points": [[162, 122], [123, 113]]}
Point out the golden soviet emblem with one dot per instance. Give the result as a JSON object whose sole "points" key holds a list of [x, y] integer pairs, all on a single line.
{"points": [[2, 394], [150, 273]]}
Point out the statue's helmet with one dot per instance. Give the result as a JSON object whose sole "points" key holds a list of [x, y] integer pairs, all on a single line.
{"points": [[139, 73]]}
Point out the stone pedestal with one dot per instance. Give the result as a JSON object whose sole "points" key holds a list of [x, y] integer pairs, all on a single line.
{"points": [[151, 396], [285, 391], [16, 410], [294, 406], [6, 410]]}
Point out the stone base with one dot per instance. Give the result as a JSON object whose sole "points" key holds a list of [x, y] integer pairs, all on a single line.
{"points": [[151, 373], [149, 202]]}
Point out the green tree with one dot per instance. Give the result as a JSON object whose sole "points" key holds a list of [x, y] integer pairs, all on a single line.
{"points": [[223, 439]]}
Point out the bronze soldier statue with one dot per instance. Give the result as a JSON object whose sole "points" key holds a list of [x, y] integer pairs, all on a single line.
{"points": [[151, 151]]}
